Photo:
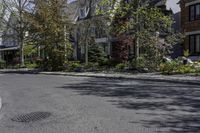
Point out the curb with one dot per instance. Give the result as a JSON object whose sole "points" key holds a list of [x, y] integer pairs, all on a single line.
{"points": [[0, 103], [190, 82], [115, 76]]}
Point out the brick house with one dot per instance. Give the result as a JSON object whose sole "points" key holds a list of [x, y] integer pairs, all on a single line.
{"points": [[190, 23], [85, 10]]}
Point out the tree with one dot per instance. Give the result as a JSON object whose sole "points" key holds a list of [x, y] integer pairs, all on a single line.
{"points": [[16, 9], [50, 31], [96, 54], [89, 26], [141, 20], [2, 12]]}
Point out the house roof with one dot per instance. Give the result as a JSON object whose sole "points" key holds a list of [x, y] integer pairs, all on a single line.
{"points": [[158, 3]]}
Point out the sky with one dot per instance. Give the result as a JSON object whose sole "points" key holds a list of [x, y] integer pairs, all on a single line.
{"points": [[173, 5]]}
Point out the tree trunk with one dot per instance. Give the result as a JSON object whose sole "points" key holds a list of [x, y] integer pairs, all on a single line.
{"points": [[22, 53], [86, 53], [137, 45]]}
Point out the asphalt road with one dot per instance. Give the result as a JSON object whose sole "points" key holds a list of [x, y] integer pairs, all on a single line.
{"points": [[97, 105]]}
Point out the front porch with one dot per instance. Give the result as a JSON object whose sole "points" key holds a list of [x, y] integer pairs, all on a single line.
{"points": [[9, 55]]}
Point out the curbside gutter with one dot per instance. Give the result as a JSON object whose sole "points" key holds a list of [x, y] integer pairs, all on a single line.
{"points": [[145, 77]]}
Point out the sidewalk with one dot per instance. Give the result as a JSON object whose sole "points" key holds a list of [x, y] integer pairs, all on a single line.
{"points": [[187, 78]]}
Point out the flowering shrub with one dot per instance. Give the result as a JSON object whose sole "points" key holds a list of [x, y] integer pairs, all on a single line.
{"points": [[175, 67]]}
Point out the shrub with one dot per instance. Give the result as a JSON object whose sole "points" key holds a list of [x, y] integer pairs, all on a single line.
{"points": [[91, 65], [175, 67], [2, 64], [96, 54], [113, 62], [140, 63], [169, 67], [121, 66], [31, 65], [72, 65], [196, 64], [75, 65]]}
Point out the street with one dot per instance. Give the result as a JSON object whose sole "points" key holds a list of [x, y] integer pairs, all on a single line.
{"points": [[96, 105]]}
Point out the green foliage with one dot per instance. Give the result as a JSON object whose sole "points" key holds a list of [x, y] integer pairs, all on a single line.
{"points": [[169, 67], [139, 63], [56, 60], [186, 53], [2, 64], [97, 54], [72, 65], [113, 62], [50, 29], [91, 66], [29, 50], [39, 62], [75, 65], [196, 64], [176, 67], [31, 65], [121, 66], [145, 21]]}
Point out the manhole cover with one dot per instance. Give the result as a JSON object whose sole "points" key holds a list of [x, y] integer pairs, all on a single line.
{"points": [[31, 117]]}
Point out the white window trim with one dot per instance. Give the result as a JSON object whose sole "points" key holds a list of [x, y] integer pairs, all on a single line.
{"points": [[192, 3], [87, 11], [192, 33]]}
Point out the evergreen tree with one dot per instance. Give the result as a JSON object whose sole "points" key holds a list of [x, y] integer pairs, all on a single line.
{"points": [[96, 54], [50, 31]]}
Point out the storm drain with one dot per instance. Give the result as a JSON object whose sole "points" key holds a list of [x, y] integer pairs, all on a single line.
{"points": [[31, 117]]}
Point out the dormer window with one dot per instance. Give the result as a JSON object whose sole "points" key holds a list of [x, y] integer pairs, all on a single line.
{"points": [[83, 12]]}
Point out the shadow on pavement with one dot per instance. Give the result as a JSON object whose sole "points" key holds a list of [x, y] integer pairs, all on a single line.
{"points": [[176, 107]]}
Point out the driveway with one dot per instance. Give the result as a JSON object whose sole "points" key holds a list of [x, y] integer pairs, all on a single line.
{"points": [[34, 103]]}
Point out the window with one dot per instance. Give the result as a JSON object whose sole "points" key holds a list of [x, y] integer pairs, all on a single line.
{"points": [[14, 43], [93, 31], [82, 12], [127, 1], [194, 44], [198, 11], [194, 11]]}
